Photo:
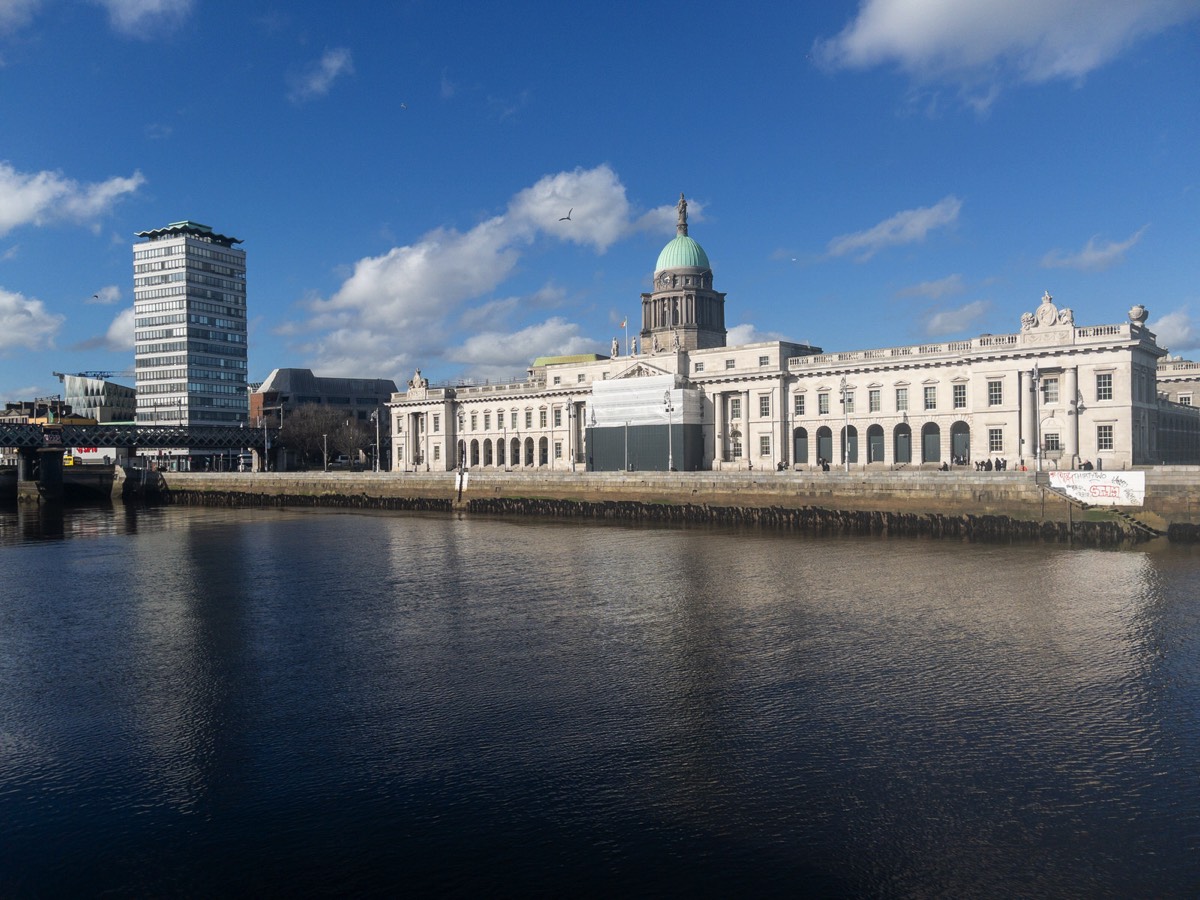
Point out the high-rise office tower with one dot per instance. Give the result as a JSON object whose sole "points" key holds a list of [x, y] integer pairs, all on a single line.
{"points": [[189, 306]]}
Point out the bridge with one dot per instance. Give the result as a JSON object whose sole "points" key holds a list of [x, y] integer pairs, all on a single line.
{"points": [[139, 437], [42, 446]]}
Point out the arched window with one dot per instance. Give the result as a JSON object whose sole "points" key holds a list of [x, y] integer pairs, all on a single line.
{"points": [[800, 445], [824, 443], [960, 442], [850, 444], [875, 444], [902, 444], [931, 443]]}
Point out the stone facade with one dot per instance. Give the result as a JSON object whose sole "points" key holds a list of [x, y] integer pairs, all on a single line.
{"points": [[1051, 395]]}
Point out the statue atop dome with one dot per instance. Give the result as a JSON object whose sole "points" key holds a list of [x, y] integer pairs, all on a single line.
{"points": [[681, 225]]}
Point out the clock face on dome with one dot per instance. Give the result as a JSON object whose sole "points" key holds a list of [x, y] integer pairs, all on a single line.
{"points": [[664, 280]]}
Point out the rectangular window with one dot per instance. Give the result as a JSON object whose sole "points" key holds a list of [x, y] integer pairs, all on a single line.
{"points": [[849, 401], [557, 417], [1185, 399], [764, 445], [437, 423], [529, 418], [960, 396], [580, 377], [995, 393], [901, 399], [873, 400], [799, 405], [735, 448], [437, 452], [735, 407], [558, 379], [995, 440], [764, 406], [1104, 386], [487, 421], [558, 449], [1049, 390], [823, 404], [1104, 437], [474, 421], [541, 418], [513, 419], [729, 364], [1051, 441], [699, 367], [764, 360], [931, 398]]}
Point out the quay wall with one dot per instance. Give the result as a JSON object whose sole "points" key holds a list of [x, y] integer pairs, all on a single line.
{"points": [[996, 505]]}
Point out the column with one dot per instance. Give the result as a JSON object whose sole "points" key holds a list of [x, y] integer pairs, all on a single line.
{"points": [[1070, 396], [718, 400], [1026, 403]]}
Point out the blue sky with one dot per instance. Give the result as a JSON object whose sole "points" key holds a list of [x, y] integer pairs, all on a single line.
{"points": [[860, 174]]}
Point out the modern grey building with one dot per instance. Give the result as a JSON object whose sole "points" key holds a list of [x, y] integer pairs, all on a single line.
{"points": [[189, 304]]}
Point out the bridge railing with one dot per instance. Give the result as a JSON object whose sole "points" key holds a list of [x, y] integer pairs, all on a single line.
{"points": [[149, 437]]}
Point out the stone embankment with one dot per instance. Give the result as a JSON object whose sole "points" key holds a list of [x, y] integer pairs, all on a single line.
{"points": [[1000, 506]]}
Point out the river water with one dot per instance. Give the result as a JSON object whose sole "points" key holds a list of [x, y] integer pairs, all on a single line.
{"points": [[200, 702]]}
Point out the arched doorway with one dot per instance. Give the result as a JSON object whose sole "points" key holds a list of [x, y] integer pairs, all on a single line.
{"points": [[474, 453], [875, 444], [529, 451], [960, 442], [800, 445], [902, 443], [543, 451], [515, 455], [931, 443], [850, 444], [500, 453], [487, 453], [824, 443]]}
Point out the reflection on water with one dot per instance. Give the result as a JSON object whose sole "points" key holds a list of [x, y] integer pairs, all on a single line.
{"points": [[193, 700]]}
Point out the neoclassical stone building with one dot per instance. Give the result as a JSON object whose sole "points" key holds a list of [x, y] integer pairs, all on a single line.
{"points": [[1052, 394]]}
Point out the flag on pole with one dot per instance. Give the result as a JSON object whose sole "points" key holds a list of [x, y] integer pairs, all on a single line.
{"points": [[625, 322]]}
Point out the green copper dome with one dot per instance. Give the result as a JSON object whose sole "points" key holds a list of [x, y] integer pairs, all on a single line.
{"points": [[682, 253]]}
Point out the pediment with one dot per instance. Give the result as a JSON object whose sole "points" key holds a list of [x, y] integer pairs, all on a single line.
{"points": [[642, 370]]}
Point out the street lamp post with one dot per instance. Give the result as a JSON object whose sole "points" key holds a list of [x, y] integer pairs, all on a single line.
{"points": [[1035, 375], [325, 451], [375, 417], [846, 432], [570, 428], [670, 408]]}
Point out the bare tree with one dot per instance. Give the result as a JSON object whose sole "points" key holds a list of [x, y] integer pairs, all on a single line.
{"points": [[305, 428]]}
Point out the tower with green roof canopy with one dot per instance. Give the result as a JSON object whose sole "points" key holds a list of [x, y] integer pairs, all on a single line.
{"points": [[683, 312]]}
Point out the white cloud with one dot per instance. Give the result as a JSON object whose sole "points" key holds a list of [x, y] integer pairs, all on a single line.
{"points": [[16, 14], [317, 80], [1096, 255], [43, 197], [24, 322], [146, 18], [120, 333], [441, 285], [988, 40], [935, 290], [108, 294], [748, 334], [1177, 331], [956, 321], [498, 355], [905, 227]]}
